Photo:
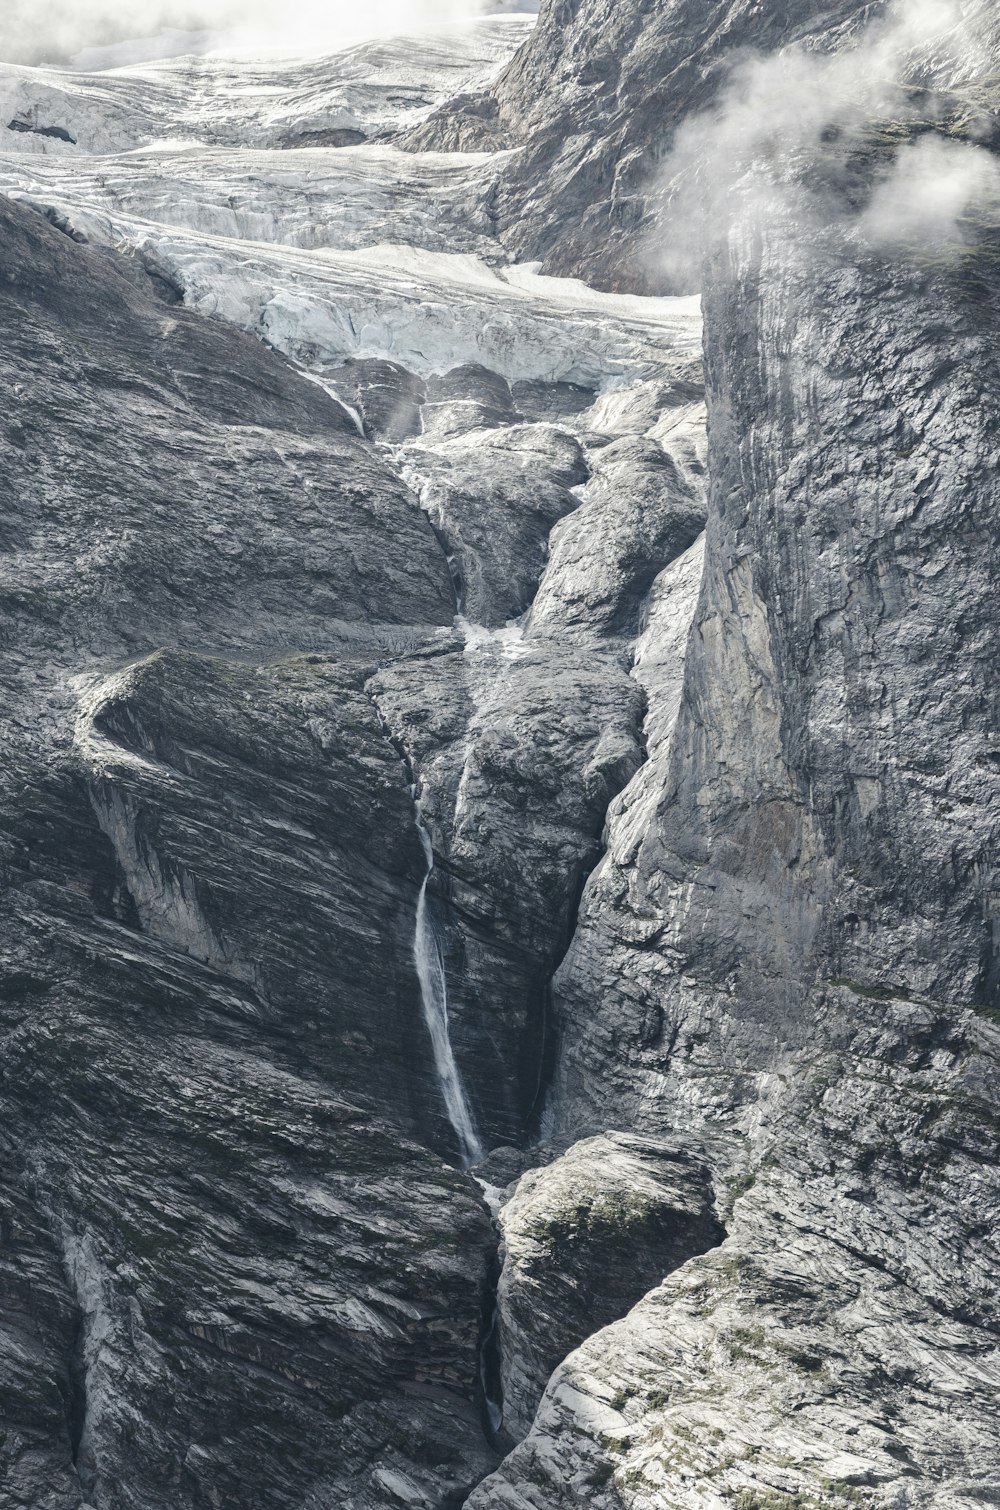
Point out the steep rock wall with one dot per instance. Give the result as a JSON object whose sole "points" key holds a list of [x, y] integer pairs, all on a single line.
{"points": [[789, 949], [593, 101]]}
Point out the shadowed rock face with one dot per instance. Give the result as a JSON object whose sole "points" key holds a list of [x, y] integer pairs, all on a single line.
{"points": [[744, 1087], [520, 749], [240, 1271], [197, 482], [230, 1275]]}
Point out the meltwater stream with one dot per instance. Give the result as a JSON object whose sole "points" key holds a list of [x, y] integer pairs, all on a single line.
{"points": [[434, 996]]}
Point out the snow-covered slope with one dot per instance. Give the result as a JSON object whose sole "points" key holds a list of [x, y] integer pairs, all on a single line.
{"points": [[370, 87], [223, 178]]}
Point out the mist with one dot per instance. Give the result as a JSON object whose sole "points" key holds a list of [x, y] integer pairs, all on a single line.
{"points": [[106, 33], [779, 137]]}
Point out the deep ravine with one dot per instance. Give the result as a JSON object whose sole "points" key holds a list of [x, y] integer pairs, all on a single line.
{"points": [[499, 784], [434, 999]]}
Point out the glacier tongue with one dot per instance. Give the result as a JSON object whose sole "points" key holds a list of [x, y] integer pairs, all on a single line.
{"points": [[428, 308], [221, 177]]}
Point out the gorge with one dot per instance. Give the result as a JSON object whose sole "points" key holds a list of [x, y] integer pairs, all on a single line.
{"points": [[499, 804]]}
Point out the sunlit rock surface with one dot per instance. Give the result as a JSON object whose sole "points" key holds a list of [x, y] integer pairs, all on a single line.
{"points": [[712, 811], [792, 944], [583, 1239]]}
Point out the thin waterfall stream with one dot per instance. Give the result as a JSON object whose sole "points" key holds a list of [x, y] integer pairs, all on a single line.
{"points": [[434, 997]]}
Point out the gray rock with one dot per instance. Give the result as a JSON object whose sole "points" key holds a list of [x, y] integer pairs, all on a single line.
{"points": [[639, 512], [790, 941], [231, 1274], [583, 1239], [385, 395], [519, 747], [592, 102], [755, 1264], [494, 496], [464, 400]]}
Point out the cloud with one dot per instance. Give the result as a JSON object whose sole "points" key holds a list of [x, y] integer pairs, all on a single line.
{"points": [[934, 187], [785, 118], [57, 31]]}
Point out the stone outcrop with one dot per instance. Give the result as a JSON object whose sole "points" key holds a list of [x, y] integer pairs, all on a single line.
{"points": [[521, 735], [207, 845], [702, 822], [584, 1238]]}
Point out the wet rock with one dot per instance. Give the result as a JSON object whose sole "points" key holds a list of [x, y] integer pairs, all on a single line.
{"points": [[495, 496], [519, 748], [387, 397], [465, 399], [639, 512]]}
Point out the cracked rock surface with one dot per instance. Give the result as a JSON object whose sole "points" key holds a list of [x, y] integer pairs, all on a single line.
{"points": [[417, 666]]}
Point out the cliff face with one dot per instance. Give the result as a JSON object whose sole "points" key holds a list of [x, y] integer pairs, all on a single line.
{"points": [[698, 825], [185, 1318], [242, 694], [790, 947], [593, 101]]}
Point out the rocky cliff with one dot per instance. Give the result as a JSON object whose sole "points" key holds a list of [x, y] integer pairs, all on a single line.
{"points": [[435, 739]]}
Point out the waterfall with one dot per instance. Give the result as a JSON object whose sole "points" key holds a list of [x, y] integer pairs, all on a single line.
{"points": [[434, 996]]}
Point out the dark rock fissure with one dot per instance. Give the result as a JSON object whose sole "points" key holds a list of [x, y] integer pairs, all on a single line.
{"points": [[61, 222], [76, 1402], [58, 133], [453, 564], [546, 1048], [545, 1040], [490, 1361], [332, 136]]}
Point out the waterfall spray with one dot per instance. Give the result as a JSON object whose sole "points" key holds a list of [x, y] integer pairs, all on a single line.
{"points": [[434, 996]]}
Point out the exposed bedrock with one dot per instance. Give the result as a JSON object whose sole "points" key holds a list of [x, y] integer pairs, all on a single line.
{"points": [[584, 1238], [521, 736], [699, 823], [643, 507], [252, 512], [791, 939], [495, 496], [234, 1273], [519, 747], [288, 765], [829, 805], [245, 1270], [593, 101]]}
